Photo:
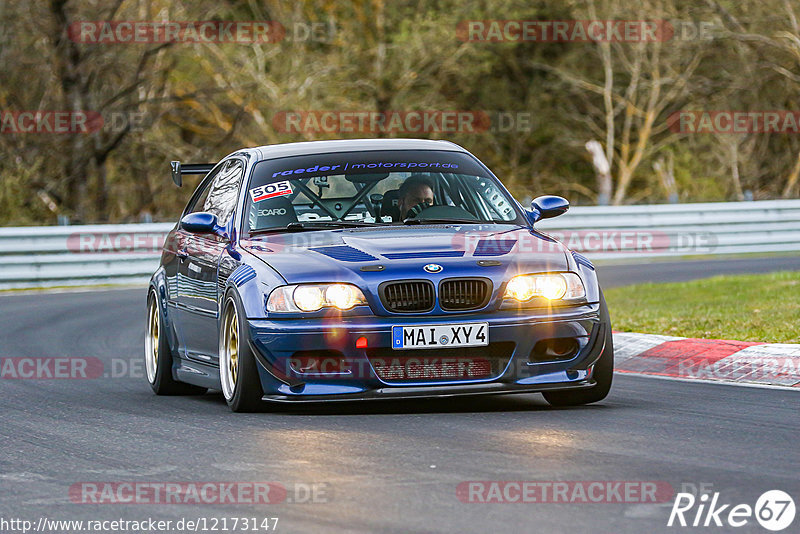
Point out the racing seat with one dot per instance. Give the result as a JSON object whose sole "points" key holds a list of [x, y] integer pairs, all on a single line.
{"points": [[273, 212], [389, 205]]}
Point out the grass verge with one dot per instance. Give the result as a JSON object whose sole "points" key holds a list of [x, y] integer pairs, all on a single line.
{"points": [[753, 307]]}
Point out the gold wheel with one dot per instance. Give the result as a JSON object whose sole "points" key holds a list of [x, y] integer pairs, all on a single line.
{"points": [[229, 350], [233, 347], [152, 340]]}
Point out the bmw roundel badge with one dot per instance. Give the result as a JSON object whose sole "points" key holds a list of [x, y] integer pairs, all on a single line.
{"points": [[433, 268]]}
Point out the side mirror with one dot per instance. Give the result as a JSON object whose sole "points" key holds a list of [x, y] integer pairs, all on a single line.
{"points": [[200, 223], [547, 206]]}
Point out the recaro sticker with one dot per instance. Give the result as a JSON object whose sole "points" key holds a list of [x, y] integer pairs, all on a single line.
{"points": [[272, 190]]}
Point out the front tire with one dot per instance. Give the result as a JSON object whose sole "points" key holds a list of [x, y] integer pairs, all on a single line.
{"points": [[603, 372], [238, 371], [158, 355]]}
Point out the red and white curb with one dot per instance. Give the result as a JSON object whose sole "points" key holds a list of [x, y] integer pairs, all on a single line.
{"points": [[742, 362]]}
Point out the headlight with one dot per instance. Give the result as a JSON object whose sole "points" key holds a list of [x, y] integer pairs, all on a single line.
{"points": [[555, 286], [309, 298], [314, 297], [343, 296]]}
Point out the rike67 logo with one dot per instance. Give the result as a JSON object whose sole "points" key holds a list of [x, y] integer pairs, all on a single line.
{"points": [[774, 510]]}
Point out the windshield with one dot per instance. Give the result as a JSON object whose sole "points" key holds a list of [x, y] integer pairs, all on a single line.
{"points": [[374, 188]]}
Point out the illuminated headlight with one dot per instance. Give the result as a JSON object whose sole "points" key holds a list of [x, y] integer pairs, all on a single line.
{"points": [[309, 298], [314, 297], [555, 286]]}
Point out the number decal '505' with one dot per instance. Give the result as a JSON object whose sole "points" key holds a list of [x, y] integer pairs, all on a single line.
{"points": [[276, 189]]}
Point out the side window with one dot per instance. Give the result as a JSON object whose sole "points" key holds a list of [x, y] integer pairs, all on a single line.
{"points": [[224, 192], [198, 201], [220, 192]]}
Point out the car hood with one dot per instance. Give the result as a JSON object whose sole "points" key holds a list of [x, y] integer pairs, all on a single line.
{"points": [[350, 255]]}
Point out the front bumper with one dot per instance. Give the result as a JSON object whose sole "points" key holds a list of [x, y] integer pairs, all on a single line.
{"points": [[276, 344]]}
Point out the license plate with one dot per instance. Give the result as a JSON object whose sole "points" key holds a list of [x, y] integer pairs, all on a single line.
{"points": [[440, 336]]}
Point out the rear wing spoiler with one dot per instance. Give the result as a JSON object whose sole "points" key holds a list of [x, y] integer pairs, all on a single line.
{"points": [[178, 170]]}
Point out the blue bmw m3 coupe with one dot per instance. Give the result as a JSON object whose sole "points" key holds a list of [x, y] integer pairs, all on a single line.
{"points": [[370, 269]]}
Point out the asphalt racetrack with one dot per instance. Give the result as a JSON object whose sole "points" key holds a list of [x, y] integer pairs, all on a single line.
{"points": [[387, 467]]}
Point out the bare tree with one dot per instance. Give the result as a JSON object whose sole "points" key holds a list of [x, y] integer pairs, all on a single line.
{"points": [[638, 83], [93, 78]]}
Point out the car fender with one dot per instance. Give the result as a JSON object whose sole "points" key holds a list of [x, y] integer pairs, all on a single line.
{"points": [[158, 285], [253, 280]]}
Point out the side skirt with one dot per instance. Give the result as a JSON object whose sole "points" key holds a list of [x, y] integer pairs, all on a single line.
{"points": [[199, 374]]}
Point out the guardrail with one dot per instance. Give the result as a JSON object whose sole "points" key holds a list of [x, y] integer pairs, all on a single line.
{"points": [[121, 254], [681, 229], [49, 256]]}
